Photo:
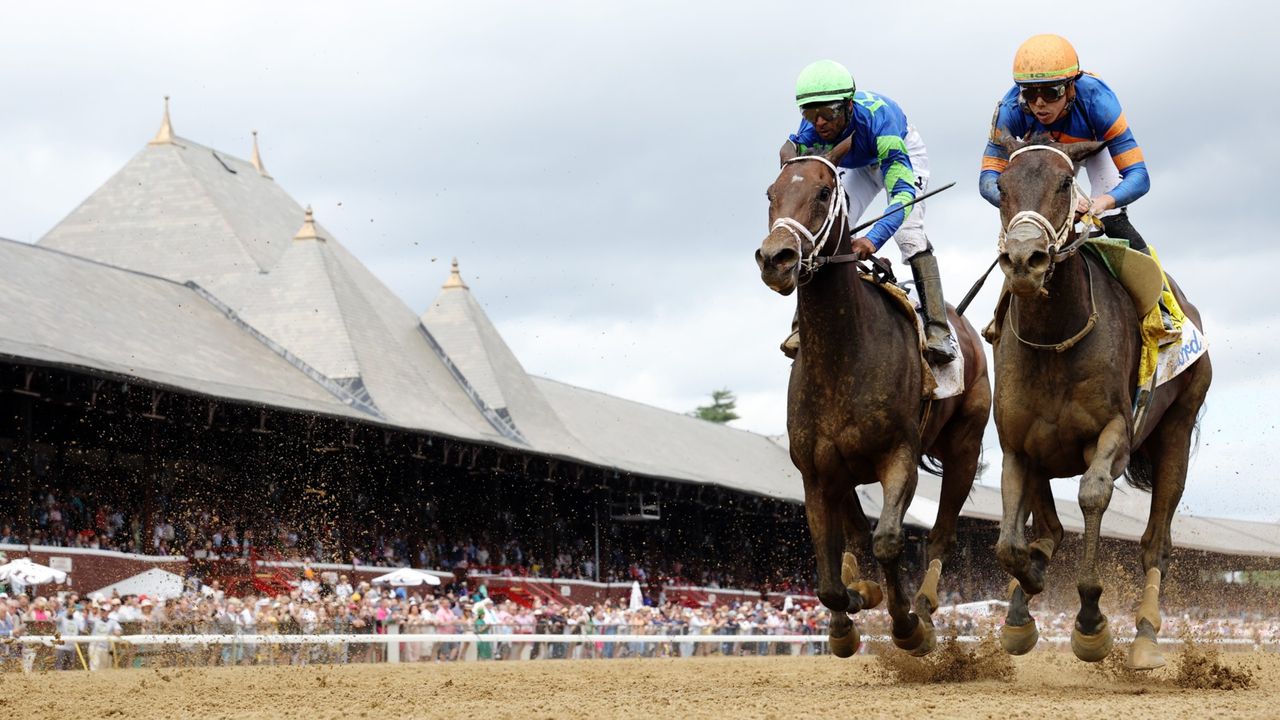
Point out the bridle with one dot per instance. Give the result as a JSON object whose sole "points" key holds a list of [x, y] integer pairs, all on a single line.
{"points": [[1061, 247], [834, 223], [1061, 235]]}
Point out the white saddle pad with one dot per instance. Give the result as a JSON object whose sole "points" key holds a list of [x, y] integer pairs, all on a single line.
{"points": [[1175, 357], [949, 377]]}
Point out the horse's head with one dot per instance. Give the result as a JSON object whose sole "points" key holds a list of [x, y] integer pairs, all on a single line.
{"points": [[1038, 194], [806, 209]]}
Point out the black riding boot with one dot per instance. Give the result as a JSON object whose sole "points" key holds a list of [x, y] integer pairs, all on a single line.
{"points": [[937, 334]]}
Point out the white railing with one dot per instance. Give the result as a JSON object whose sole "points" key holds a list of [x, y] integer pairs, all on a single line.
{"points": [[351, 638]]}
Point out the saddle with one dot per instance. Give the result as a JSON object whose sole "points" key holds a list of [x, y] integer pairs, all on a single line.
{"points": [[936, 382], [1159, 315]]}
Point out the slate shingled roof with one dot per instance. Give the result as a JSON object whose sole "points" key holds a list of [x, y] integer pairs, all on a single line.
{"points": [[191, 273]]}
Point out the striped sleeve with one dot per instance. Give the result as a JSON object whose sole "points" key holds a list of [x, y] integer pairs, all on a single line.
{"points": [[1004, 121], [1109, 121], [899, 184]]}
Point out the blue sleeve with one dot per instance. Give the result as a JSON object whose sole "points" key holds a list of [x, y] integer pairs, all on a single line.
{"points": [[1107, 118], [987, 186], [1006, 120], [899, 176]]}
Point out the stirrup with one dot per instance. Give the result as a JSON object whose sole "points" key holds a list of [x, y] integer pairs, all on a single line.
{"points": [[939, 353]]}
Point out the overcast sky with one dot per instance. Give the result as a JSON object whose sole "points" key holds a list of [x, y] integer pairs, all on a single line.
{"points": [[599, 168]]}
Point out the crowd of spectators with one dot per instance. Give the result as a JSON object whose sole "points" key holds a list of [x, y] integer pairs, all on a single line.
{"points": [[328, 603], [206, 536]]}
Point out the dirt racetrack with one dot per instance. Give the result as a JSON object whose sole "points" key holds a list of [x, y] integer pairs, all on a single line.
{"points": [[1044, 684]]}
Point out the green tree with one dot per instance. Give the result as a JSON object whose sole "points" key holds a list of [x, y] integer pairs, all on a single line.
{"points": [[721, 408]]}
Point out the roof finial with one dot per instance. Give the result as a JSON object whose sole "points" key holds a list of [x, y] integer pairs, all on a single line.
{"points": [[164, 136], [308, 230], [257, 158], [455, 278]]}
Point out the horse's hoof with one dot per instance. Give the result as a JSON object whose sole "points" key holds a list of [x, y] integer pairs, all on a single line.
{"points": [[930, 641], [846, 645], [1092, 648], [871, 593], [921, 640], [1144, 654], [1019, 639]]}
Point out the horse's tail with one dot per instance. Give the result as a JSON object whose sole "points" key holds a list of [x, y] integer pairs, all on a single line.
{"points": [[1141, 473], [931, 464]]}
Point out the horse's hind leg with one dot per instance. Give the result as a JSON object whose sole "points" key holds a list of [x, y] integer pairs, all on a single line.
{"points": [[959, 452], [863, 594], [1170, 445], [1091, 637], [898, 483]]}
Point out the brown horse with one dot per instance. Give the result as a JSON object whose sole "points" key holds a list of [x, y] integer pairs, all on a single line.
{"points": [[855, 413], [1066, 367]]}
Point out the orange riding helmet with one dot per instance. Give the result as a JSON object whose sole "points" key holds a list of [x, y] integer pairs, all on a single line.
{"points": [[1045, 59]]}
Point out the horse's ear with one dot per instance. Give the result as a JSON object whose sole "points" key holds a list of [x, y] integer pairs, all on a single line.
{"points": [[1009, 143], [840, 150], [1081, 150]]}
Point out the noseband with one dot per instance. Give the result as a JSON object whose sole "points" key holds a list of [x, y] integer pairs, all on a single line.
{"points": [[837, 210]]}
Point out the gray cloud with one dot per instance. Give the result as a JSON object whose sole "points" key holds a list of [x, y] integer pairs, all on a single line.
{"points": [[599, 168]]}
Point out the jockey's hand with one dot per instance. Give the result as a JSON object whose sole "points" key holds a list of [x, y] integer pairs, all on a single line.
{"points": [[1082, 206], [863, 248], [1101, 204]]}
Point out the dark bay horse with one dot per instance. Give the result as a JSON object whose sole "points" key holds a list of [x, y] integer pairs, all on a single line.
{"points": [[1066, 368], [855, 413]]}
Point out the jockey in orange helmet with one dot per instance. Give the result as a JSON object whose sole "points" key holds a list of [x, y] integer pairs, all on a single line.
{"points": [[1051, 96]]}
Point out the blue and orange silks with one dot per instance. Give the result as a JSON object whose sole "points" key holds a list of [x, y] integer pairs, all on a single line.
{"points": [[1095, 114]]}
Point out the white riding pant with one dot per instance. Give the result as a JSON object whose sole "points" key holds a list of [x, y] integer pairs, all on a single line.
{"points": [[865, 183], [1103, 177]]}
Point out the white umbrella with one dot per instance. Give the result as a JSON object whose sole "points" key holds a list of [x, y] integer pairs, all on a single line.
{"points": [[25, 572], [154, 583], [407, 577], [637, 597]]}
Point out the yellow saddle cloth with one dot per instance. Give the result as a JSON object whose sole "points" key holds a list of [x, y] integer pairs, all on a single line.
{"points": [[1145, 281]]}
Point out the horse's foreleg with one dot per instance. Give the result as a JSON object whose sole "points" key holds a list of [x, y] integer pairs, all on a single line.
{"points": [[898, 483], [824, 510], [1018, 491], [1091, 638]]}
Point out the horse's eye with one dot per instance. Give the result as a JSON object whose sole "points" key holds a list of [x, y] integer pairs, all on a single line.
{"points": [[1066, 183], [824, 194]]}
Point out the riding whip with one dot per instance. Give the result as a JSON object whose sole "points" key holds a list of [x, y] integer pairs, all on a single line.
{"points": [[917, 199], [973, 291]]}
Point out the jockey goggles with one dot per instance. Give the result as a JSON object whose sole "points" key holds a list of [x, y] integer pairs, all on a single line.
{"points": [[1049, 93], [827, 112]]}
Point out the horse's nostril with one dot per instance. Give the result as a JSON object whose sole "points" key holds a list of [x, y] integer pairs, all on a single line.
{"points": [[784, 259], [1038, 261]]}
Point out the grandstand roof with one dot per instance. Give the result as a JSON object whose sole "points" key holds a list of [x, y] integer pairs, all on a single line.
{"points": [[194, 269]]}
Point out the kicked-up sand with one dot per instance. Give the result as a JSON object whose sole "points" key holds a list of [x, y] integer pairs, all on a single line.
{"points": [[956, 682]]}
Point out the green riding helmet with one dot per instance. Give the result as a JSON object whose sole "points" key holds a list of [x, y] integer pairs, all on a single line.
{"points": [[824, 81]]}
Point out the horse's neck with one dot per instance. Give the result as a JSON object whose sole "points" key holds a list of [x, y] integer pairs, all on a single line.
{"points": [[1065, 309], [837, 317]]}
